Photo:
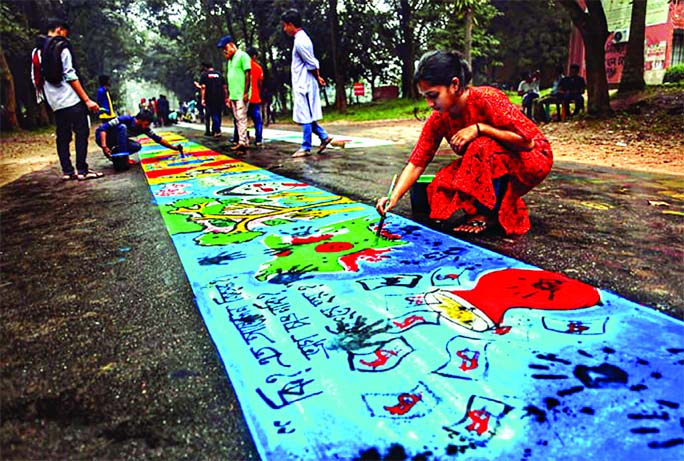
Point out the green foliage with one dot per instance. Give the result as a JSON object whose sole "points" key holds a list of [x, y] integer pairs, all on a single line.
{"points": [[164, 41], [394, 109], [533, 35], [449, 32], [14, 36], [674, 74]]}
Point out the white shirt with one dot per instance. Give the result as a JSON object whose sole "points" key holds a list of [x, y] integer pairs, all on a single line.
{"points": [[306, 106], [62, 95]]}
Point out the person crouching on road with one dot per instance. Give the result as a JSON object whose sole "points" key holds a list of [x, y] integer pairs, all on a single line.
{"points": [[501, 153], [113, 136]]}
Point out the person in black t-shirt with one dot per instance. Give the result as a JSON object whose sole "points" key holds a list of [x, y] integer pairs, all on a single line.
{"points": [[213, 94], [572, 90]]}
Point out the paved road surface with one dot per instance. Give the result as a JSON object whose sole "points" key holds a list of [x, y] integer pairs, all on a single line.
{"points": [[105, 356]]}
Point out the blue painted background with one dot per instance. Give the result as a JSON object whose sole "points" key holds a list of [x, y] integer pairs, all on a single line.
{"points": [[413, 344]]}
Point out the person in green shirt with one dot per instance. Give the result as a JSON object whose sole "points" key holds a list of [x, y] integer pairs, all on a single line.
{"points": [[237, 97]]}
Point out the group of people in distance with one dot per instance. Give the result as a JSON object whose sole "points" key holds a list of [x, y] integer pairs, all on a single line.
{"points": [[501, 153], [566, 90], [242, 87]]}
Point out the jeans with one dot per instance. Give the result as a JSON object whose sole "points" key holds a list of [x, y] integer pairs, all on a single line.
{"points": [[117, 140], [213, 114], [307, 129], [254, 111], [527, 102], [74, 118]]}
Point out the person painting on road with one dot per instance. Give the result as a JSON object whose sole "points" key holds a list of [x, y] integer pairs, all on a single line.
{"points": [[113, 136], [502, 153], [239, 82], [306, 102]]}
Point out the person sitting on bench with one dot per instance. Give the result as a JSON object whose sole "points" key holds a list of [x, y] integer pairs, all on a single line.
{"points": [[554, 97], [572, 89]]}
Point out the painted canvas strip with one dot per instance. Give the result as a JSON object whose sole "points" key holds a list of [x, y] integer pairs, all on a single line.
{"points": [[344, 345]]}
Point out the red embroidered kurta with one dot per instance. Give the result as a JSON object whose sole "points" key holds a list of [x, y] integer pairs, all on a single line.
{"points": [[469, 178]]}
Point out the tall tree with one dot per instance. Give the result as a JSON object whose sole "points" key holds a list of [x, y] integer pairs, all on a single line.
{"points": [[340, 99], [9, 121], [452, 32], [466, 8], [531, 35], [633, 71], [592, 24], [406, 48]]}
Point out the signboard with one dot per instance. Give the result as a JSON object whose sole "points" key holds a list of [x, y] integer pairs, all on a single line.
{"points": [[359, 89], [619, 13]]}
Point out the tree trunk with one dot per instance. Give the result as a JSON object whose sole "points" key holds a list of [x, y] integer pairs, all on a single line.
{"points": [[593, 27], [468, 51], [9, 113], [340, 99], [633, 72], [406, 50]]}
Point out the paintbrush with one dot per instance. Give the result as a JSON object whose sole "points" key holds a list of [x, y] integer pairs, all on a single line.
{"points": [[389, 194]]}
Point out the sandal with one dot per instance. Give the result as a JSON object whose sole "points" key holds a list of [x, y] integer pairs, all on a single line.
{"points": [[301, 153], [324, 144], [69, 177], [90, 175], [474, 225]]}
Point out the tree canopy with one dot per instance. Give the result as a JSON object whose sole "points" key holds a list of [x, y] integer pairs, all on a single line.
{"points": [[376, 41]]}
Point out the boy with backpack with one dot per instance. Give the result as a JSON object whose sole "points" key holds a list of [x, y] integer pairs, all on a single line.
{"points": [[54, 75]]}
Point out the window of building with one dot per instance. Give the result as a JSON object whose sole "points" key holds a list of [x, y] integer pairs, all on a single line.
{"points": [[677, 47]]}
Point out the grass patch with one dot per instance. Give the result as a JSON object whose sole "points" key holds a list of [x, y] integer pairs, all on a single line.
{"points": [[394, 109]]}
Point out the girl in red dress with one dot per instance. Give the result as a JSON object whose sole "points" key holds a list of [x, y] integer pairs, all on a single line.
{"points": [[502, 153]]}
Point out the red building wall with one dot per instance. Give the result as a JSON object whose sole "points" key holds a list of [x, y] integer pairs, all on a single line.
{"points": [[658, 48]]}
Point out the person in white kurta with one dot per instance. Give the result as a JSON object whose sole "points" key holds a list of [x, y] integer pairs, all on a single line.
{"points": [[306, 102]]}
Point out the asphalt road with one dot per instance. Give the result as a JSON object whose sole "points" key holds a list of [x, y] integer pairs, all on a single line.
{"points": [[105, 356]]}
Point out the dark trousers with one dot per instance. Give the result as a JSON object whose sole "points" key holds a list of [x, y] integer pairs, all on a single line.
{"points": [[254, 111], [213, 114], [578, 99], [74, 118], [117, 141]]}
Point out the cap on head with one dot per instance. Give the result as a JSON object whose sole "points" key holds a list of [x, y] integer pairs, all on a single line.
{"points": [[223, 41]]}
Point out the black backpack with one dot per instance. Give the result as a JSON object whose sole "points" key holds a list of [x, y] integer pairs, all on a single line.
{"points": [[51, 62]]}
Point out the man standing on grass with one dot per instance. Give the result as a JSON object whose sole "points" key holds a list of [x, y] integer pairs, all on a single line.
{"points": [[306, 102], [239, 82]]}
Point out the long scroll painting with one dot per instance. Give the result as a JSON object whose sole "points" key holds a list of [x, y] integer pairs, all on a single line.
{"points": [[342, 344]]}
